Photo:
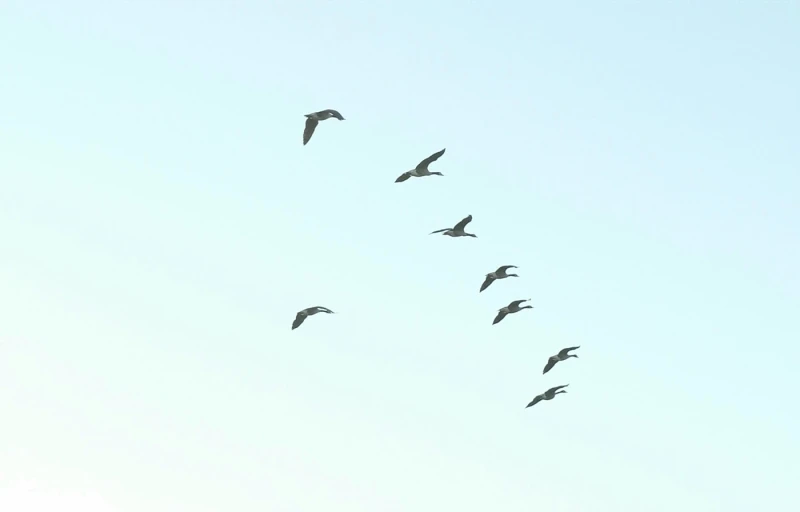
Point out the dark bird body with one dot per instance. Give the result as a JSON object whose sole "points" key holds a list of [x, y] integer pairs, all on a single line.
{"points": [[513, 307], [421, 169], [562, 355], [313, 119], [305, 313], [457, 230], [547, 395], [500, 273]]}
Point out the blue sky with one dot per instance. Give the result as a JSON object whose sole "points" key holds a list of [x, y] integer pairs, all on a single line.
{"points": [[162, 223]]}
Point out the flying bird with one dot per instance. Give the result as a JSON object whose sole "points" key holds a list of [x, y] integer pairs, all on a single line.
{"points": [[500, 273], [458, 229], [513, 307], [421, 169], [313, 119], [561, 356], [547, 395], [302, 315]]}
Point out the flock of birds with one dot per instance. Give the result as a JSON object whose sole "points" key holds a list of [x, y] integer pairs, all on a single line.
{"points": [[422, 170]]}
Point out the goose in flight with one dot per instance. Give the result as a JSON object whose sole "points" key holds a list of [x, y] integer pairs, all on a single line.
{"points": [[500, 273], [313, 119], [458, 229], [561, 356], [513, 307], [421, 169], [302, 315], [547, 395]]}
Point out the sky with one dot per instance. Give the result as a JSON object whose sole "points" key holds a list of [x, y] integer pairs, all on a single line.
{"points": [[161, 223]]}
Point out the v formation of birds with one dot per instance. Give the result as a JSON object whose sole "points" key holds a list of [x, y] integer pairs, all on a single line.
{"points": [[458, 230]]}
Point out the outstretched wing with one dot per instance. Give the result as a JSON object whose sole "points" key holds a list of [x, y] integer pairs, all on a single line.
{"points": [[335, 113], [500, 315], [516, 303], [565, 351], [553, 390], [299, 319], [425, 163], [403, 177], [463, 223], [323, 309], [503, 269], [489, 280], [550, 364], [535, 401], [311, 125]]}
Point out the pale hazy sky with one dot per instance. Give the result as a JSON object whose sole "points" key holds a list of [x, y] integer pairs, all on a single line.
{"points": [[161, 223]]}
